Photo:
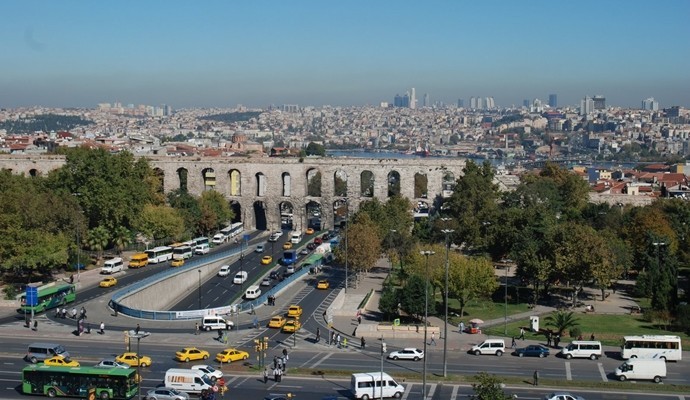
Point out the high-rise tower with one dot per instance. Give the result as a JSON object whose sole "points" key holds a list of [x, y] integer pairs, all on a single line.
{"points": [[413, 99], [553, 100]]}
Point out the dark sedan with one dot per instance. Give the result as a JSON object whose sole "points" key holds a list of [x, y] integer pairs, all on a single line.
{"points": [[533, 350]]}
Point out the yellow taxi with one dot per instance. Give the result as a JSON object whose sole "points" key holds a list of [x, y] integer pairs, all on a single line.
{"points": [[177, 263], [310, 231], [323, 284], [60, 361], [190, 354], [131, 359], [108, 282], [276, 322], [294, 311], [287, 245], [292, 325], [230, 355], [265, 260]]}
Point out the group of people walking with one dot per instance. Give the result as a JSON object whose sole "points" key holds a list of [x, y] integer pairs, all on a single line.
{"points": [[279, 367]]}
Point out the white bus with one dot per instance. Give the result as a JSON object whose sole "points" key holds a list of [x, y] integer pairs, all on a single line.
{"points": [[665, 347], [199, 240], [235, 229], [182, 252], [159, 254]]}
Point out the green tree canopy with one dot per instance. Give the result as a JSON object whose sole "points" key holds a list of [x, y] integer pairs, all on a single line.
{"points": [[315, 149], [157, 222]]}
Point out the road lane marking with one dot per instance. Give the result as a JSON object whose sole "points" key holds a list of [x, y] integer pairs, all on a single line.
{"points": [[408, 389], [602, 372], [430, 393], [324, 358], [568, 373], [454, 393], [240, 383], [304, 364]]}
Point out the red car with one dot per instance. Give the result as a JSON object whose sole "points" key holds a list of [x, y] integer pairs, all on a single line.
{"points": [[318, 241]]}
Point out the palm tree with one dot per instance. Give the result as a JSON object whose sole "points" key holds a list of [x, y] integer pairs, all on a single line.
{"points": [[562, 321], [122, 237], [97, 240]]}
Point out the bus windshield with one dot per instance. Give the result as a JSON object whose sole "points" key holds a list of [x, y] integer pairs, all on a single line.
{"points": [[115, 383], [50, 297]]}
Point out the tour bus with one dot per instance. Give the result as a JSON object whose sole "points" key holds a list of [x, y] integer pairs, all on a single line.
{"points": [[139, 260], [52, 381], [159, 254], [182, 252], [50, 297], [666, 347], [296, 237], [199, 241], [235, 229]]}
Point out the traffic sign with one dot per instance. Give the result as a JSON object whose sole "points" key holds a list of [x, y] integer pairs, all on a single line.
{"points": [[31, 296]]}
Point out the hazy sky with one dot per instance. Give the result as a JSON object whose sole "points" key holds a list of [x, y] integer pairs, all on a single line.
{"points": [[257, 53]]}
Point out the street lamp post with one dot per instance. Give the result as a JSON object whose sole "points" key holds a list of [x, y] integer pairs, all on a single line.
{"points": [[446, 232], [425, 253], [199, 289], [383, 351], [138, 336], [505, 300], [347, 228]]}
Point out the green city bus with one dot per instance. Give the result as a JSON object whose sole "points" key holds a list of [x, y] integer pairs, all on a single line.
{"points": [[50, 297], [105, 383]]}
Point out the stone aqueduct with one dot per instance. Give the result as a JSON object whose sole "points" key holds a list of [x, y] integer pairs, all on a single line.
{"points": [[259, 188]]}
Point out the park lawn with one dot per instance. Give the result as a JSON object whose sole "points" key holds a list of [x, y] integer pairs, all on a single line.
{"points": [[483, 309], [607, 328]]}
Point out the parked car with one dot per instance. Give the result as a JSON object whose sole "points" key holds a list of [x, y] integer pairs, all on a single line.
{"points": [[533, 350], [409, 353]]}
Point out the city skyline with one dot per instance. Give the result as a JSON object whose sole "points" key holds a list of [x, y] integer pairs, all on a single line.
{"points": [[218, 54]]}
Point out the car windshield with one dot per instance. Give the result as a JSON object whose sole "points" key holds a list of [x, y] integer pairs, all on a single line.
{"points": [[210, 368], [207, 380], [175, 392]]}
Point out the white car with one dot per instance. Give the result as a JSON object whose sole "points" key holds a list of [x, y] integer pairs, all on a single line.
{"points": [[111, 363], [407, 354], [275, 236], [224, 270], [562, 396], [259, 248], [240, 277], [266, 282], [212, 373]]}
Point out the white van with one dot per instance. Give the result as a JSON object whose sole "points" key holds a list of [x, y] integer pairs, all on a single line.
{"points": [[112, 266], [252, 292], [583, 349], [219, 238], [210, 322], [642, 368], [369, 385], [296, 237], [188, 380], [490, 346], [240, 277], [202, 248], [42, 351]]}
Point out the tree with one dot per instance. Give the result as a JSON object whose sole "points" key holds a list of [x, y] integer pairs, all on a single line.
{"points": [[488, 387], [157, 222], [97, 239], [315, 149], [561, 321], [412, 296], [215, 212], [388, 303], [314, 185], [364, 244], [469, 279], [188, 208], [340, 186], [122, 237]]}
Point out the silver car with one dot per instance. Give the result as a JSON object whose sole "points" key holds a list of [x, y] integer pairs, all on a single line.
{"points": [[562, 396], [111, 363], [166, 393], [407, 354]]}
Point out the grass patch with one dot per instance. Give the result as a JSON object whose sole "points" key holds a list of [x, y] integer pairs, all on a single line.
{"points": [[364, 301], [609, 329]]}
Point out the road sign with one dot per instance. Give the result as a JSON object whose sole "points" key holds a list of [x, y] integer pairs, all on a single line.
{"points": [[31, 296]]}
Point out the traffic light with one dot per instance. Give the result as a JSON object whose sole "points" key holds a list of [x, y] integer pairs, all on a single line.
{"points": [[257, 345], [265, 343], [383, 347]]}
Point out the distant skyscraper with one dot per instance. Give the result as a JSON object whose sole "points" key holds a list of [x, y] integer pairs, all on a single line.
{"points": [[599, 102], [427, 102], [473, 103], [413, 99], [526, 103], [489, 103], [397, 101], [461, 103], [586, 105], [406, 100], [553, 100], [650, 104]]}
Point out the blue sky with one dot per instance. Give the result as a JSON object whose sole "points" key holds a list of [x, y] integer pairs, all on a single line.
{"points": [[257, 53]]}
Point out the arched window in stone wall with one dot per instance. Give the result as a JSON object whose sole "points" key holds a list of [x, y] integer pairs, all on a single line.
{"points": [[260, 214], [286, 215], [367, 184], [159, 176], [235, 182], [339, 213], [393, 183], [314, 214], [340, 183], [313, 182], [236, 208], [209, 176], [448, 184], [33, 172], [287, 184], [183, 175], [421, 183], [261, 184]]}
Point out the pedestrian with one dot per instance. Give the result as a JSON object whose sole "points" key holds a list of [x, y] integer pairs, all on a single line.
{"points": [[265, 374], [579, 337], [283, 363], [556, 340], [280, 375], [280, 363], [251, 309], [196, 328], [332, 338], [337, 340], [101, 328], [74, 313], [512, 343], [522, 333], [64, 313], [536, 378], [318, 335], [462, 327], [359, 319], [137, 329], [363, 343], [35, 325], [275, 362], [345, 343], [433, 339], [275, 374], [548, 338], [71, 279], [82, 312], [591, 337], [354, 331]]}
